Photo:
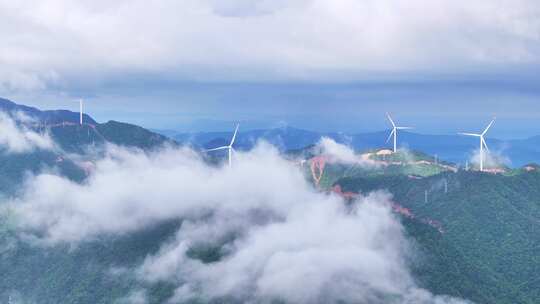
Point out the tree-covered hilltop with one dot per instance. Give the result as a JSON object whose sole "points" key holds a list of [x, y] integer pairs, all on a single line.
{"points": [[69, 138], [65, 128], [49, 117], [489, 250], [374, 163], [77, 138]]}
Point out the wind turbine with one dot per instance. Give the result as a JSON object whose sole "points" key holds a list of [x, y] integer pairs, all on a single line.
{"points": [[394, 131], [482, 142], [229, 147], [80, 111]]}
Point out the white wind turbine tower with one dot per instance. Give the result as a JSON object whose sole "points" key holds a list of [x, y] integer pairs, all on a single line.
{"points": [[394, 131], [80, 111], [229, 147], [482, 143]]}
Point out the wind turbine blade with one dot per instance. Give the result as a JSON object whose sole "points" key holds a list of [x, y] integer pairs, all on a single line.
{"points": [[391, 121], [485, 144], [470, 134], [404, 128], [217, 149], [390, 136], [489, 126], [234, 135]]}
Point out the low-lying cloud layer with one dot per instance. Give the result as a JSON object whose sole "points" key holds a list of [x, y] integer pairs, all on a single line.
{"points": [[318, 252], [340, 153], [277, 237], [15, 137]]}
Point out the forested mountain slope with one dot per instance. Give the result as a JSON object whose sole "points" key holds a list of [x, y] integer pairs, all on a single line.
{"points": [[489, 249]]}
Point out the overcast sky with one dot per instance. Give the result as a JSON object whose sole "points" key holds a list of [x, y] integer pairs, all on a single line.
{"points": [[318, 64]]}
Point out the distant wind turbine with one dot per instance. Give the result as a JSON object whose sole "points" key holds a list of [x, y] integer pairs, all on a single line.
{"points": [[394, 131], [80, 111], [482, 143], [229, 147]]}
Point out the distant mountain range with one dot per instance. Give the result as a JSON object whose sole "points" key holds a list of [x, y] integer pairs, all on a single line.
{"points": [[453, 148]]}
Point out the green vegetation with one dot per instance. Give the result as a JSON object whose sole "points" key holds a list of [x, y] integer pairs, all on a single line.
{"points": [[76, 138], [90, 273], [71, 138], [488, 252], [490, 249], [61, 274], [130, 135], [15, 167], [412, 164]]}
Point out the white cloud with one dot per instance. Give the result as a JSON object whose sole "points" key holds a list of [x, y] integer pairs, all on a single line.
{"points": [[340, 153], [17, 138], [319, 253], [66, 41], [176, 181], [492, 159], [290, 241]]}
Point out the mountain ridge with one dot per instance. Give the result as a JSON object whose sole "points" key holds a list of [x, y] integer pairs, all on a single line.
{"points": [[453, 148], [45, 116], [70, 137]]}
